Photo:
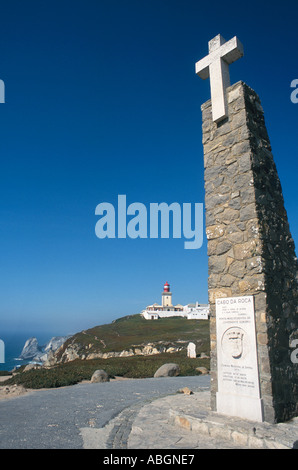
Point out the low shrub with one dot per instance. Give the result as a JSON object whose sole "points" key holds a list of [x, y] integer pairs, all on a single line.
{"points": [[76, 371], [3, 373]]}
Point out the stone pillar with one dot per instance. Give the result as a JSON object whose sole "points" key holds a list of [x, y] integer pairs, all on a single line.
{"points": [[250, 248]]}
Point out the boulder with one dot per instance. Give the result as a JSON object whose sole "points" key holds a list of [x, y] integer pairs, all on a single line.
{"points": [[100, 376], [203, 356], [168, 370], [202, 370], [186, 391]]}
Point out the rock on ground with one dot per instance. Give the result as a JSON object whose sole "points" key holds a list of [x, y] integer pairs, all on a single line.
{"points": [[100, 376], [168, 370]]}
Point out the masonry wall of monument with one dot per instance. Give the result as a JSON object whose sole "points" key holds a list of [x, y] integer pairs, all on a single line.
{"points": [[250, 248]]}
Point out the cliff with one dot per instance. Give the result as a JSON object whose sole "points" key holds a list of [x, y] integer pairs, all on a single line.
{"points": [[34, 352], [133, 335]]}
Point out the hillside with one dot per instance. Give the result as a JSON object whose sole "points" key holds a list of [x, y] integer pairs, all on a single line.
{"points": [[130, 347], [133, 335]]}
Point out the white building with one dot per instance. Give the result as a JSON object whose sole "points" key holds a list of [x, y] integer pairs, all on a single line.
{"points": [[166, 309]]}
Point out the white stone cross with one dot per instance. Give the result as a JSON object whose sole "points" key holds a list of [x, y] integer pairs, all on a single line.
{"points": [[216, 65]]}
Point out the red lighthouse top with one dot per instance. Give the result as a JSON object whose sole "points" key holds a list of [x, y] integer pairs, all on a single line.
{"points": [[166, 287]]}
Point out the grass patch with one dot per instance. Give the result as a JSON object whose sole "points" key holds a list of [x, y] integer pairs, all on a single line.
{"points": [[134, 330]]}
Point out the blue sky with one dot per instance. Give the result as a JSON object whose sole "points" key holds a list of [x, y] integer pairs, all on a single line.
{"points": [[101, 100]]}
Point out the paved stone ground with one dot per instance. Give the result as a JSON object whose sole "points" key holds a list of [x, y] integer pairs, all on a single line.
{"points": [[186, 422], [137, 414], [153, 428], [81, 415]]}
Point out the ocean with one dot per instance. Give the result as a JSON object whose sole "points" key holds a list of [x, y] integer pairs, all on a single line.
{"points": [[14, 343]]}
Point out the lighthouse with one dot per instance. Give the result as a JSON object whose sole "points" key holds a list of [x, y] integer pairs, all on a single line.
{"points": [[167, 309], [166, 296]]}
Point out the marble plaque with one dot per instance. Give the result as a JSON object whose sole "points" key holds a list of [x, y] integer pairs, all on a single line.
{"points": [[238, 378]]}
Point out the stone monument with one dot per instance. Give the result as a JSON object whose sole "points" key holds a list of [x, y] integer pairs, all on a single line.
{"points": [[191, 351], [252, 279]]}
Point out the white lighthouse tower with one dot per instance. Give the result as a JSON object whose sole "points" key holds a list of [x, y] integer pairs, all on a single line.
{"points": [[166, 296]]}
